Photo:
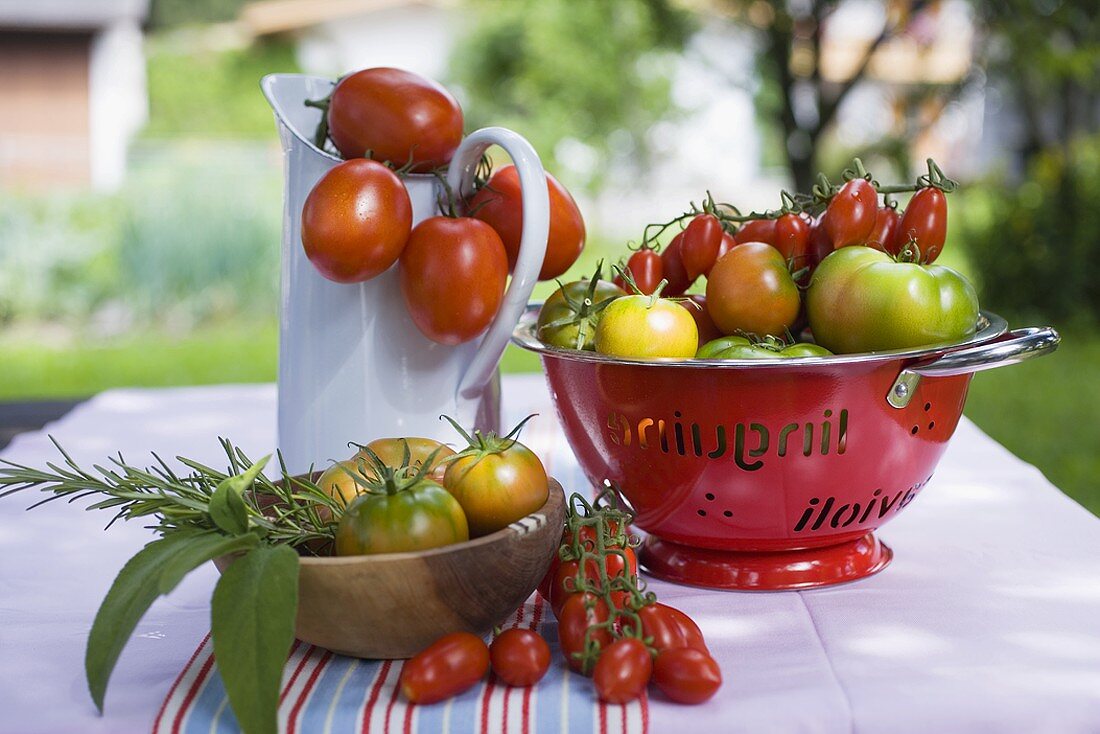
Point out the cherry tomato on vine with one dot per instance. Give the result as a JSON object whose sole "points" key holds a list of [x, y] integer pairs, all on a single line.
{"points": [[819, 245], [851, 213], [356, 221], [703, 322], [623, 671], [687, 675], [497, 480], [699, 248], [673, 269], [885, 231], [646, 268], [500, 204], [668, 628], [450, 665], [751, 290], [727, 244], [394, 116], [520, 657], [646, 326], [580, 615], [756, 230], [792, 237], [452, 274], [925, 222]]}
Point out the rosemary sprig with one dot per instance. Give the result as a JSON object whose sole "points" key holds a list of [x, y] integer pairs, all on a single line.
{"points": [[282, 512]]}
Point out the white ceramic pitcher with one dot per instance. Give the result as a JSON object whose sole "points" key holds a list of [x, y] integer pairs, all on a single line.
{"points": [[352, 364]]}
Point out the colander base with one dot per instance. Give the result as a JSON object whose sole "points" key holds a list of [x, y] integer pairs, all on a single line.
{"points": [[765, 570]]}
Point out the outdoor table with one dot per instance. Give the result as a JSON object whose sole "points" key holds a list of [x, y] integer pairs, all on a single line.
{"points": [[988, 618]]}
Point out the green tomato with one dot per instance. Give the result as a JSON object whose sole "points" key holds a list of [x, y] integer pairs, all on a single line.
{"points": [[567, 321], [644, 327], [738, 347], [421, 516], [862, 300]]}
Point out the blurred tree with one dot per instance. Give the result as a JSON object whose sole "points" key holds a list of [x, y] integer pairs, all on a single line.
{"points": [[595, 72], [1046, 55]]}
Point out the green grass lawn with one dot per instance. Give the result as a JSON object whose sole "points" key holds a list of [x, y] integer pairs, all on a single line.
{"points": [[1044, 410]]}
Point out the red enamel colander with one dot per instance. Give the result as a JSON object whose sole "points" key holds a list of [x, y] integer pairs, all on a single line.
{"points": [[769, 474]]}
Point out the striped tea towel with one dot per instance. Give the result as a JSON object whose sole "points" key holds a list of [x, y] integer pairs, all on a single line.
{"points": [[325, 692]]}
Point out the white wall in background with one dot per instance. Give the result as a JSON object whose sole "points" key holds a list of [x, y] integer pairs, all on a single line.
{"points": [[117, 99]]}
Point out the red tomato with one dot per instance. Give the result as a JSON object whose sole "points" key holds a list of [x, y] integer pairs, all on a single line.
{"points": [[646, 269], [668, 629], [750, 289], [356, 221], [395, 116], [673, 269], [623, 670], [852, 213], [520, 657], [699, 248], [575, 620], [728, 243], [885, 231], [449, 666], [452, 273], [792, 237], [703, 321], [756, 230], [687, 675], [925, 222], [500, 204], [819, 245]]}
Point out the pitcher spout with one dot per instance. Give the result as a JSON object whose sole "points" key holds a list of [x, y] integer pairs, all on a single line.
{"points": [[296, 120]]}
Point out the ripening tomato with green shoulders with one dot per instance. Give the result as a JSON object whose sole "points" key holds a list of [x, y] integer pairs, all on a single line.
{"points": [[646, 327], [750, 289], [421, 451], [864, 300], [569, 316], [739, 347]]}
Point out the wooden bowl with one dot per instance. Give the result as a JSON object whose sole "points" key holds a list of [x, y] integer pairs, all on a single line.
{"points": [[393, 605]]}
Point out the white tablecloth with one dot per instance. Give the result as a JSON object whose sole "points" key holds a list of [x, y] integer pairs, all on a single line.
{"points": [[987, 620]]}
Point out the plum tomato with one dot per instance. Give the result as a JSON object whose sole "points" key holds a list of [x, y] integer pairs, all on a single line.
{"points": [[851, 213], [670, 628], [452, 664], [569, 316], [885, 231], [925, 223], [392, 453], [579, 618], [520, 657], [356, 221], [792, 237], [452, 275], [699, 248], [623, 671], [687, 675], [646, 269], [738, 347], [394, 116], [500, 204], [819, 245], [727, 244], [496, 481], [756, 230], [673, 269], [862, 300], [411, 518], [645, 327], [751, 290]]}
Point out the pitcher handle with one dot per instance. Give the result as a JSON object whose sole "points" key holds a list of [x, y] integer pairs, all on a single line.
{"points": [[532, 248]]}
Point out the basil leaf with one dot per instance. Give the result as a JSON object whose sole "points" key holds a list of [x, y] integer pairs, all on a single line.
{"points": [[227, 509], [252, 622], [135, 588], [202, 548]]}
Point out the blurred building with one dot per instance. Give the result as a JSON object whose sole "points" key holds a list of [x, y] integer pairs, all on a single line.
{"points": [[337, 36], [72, 90]]}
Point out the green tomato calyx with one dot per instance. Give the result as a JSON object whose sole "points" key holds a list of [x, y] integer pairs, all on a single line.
{"points": [[484, 444], [375, 476], [586, 311]]}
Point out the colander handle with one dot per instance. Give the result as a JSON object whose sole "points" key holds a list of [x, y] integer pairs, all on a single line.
{"points": [[1020, 345]]}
